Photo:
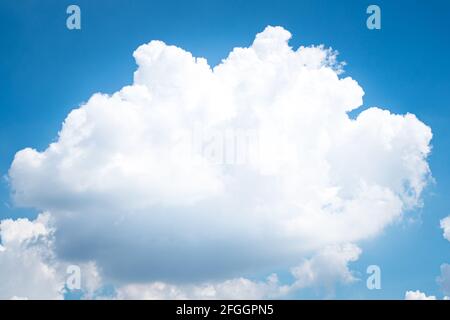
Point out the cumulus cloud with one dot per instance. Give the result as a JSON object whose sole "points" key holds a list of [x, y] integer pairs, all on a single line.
{"points": [[27, 263], [239, 288], [29, 267], [445, 225], [196, 174], [327, 267], [417, 295]]}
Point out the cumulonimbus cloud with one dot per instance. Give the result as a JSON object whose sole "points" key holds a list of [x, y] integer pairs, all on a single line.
{"points": [[130, 187]]}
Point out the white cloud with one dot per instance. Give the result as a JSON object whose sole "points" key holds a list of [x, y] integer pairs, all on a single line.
{"points": [[445, 225], [239, 288], [444, 282], [18, 298], [41, 276], [91, 280], [325, 269], [27, 267], [128, 190], [417, 295], [444, 279]]}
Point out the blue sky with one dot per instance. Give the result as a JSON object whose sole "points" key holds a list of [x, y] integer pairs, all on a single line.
{"points": [[47, 70]]}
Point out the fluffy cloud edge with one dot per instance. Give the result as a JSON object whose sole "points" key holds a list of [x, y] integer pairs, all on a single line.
{"points": [[445, 225], [29, 266], [418, 295]]}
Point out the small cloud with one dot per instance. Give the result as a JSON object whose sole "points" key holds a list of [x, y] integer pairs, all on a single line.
{"points": [[417, 295]]}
